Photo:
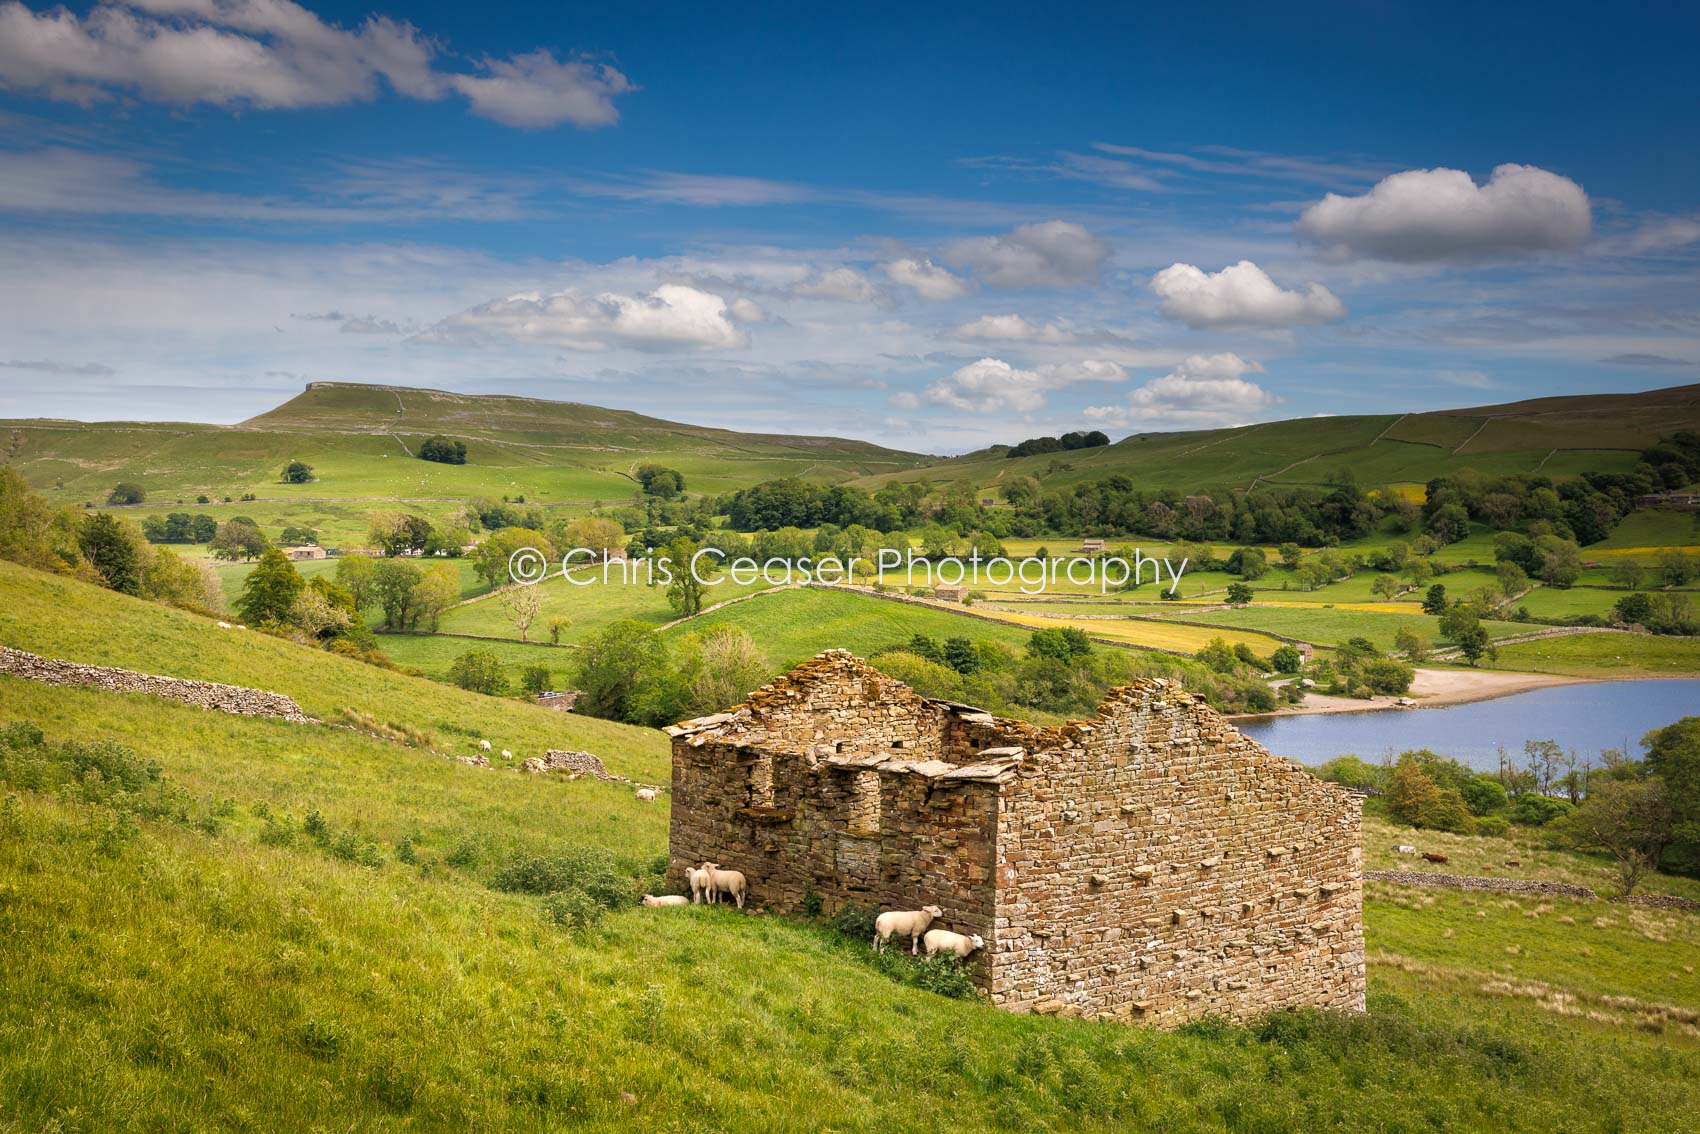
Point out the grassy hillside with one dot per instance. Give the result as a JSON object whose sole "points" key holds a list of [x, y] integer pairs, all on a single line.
{"points": [[360, 440], [1558, 436], [67, 619], [205, 975]]}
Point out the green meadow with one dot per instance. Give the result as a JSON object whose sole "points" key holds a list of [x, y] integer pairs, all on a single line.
{"points": [[200, 971]]}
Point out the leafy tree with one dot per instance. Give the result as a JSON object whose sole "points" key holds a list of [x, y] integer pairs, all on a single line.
{"points": [[534, 679], [925, 676], [595, 533], [297, 472], [270, 590], [443, 451], [438, 590], [1291, 555], [1448, 523], [202, 528], [1385, 586], [111, 550], [660, 481], [688, 591], [480, 671], [1218, 655], [1384, 675], [1532, 809], [1484, 795], [1249, 563], [615, 667], [1239, 594], [1627, 573], [960, 655], [126, 492], [239, 538], [1474, 645], [1062, 643], [1416, 799], [1513, 580], [1410, 643], [490, 561], [316, 614], [1633, 608], [1630, 820], [354, 574], [297, 536], [1560, 560], [557, 627], [1286, 659], [1673, 754], [720, 668], [1353, 772], [395, 588], [400, 533], [1434, 602]]}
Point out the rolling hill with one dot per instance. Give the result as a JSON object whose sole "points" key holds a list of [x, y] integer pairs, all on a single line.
{"points": [[361, 439], [1560, 437]]}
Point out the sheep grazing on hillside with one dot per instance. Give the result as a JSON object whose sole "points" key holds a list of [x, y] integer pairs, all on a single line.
{"points": [[944, 941], [698, 882], [506, 755], [224, 625], [646, 795], [665, 900], [484, 745], [724, 882], [905, 923]]}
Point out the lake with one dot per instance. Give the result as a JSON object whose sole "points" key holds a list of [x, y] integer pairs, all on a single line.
{"points": [[1586, 718]]}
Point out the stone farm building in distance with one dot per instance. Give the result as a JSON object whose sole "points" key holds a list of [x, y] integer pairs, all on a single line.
{"points": [[1149, 865]]}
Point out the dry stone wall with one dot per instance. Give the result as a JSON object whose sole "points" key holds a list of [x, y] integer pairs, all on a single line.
{"points": [[236, 699]]}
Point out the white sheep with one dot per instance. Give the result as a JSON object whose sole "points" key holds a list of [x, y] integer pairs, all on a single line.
{"points": [[666, 900], [724, 882], [904, 923], [506, 755], [224, 626], [484, 745], [698, 882], [646, 795], [944, 941]]}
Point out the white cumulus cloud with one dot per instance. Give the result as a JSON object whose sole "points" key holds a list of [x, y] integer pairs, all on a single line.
{"points": [[1204, 390], [275, 54], [1442, 214], [926, 279], [1010, 329], [1054, 254], [989, 385], [671, 318], [1240, 295]]}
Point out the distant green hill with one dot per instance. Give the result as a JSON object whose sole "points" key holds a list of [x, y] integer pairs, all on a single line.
{"points": [[1559, 437], [361, 439]]}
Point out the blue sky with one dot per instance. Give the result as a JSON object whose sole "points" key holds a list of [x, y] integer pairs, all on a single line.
{"points": [[933, 229]]}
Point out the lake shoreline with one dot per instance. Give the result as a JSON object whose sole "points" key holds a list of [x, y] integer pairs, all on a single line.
{"points": [[1438, 688]]}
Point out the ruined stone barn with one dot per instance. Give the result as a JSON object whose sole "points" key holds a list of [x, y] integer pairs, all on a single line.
{"points": [[1150, 865]]}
